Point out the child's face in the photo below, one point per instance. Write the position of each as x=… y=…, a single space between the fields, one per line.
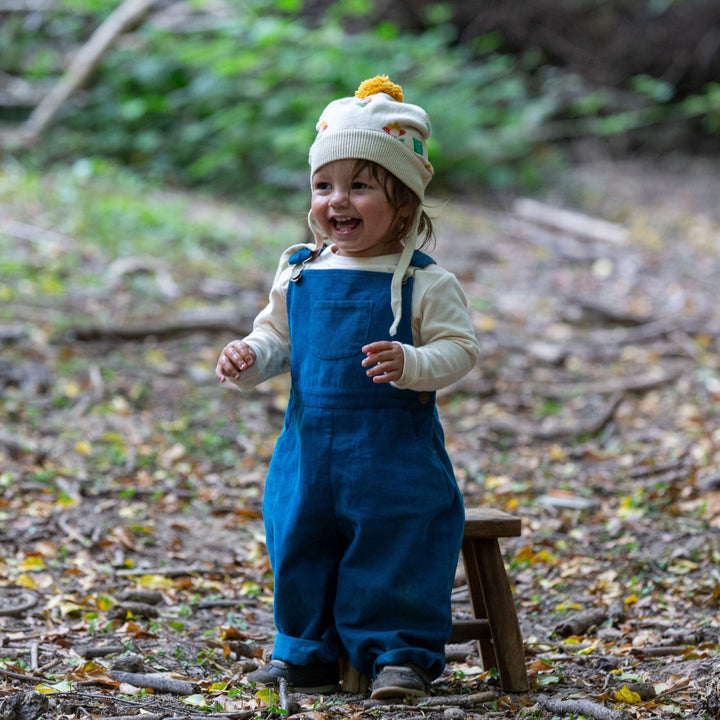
x=353 y=210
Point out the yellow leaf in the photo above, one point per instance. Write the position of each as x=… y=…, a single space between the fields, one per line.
x=197 y=701
x=32 y=564
x=70 y=388
x=83 y=447
x=627 y=696
x=568 y=606
x=557 y=453
x=493 y=482
x=486 y=323
x=103 y=602
x=218 y=687
x=631 y=599
x=155 y=582
x=589 y=649
x=250 y=588
x=70 y=608
x=267 y=696
x=47 y=688
x=525 y=555
x=26 y=581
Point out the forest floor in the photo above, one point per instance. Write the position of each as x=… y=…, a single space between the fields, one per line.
x=131 y=482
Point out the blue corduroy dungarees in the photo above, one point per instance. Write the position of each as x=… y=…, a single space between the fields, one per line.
x=364 y=519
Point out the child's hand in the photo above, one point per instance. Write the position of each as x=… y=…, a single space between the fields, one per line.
x=235 y=358
x=385 y=361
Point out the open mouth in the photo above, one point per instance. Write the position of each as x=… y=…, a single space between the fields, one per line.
x=344 y=225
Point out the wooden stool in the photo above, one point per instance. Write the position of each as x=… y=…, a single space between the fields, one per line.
x=496 y=626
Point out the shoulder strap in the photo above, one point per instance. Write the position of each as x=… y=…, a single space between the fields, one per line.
x=300 y=259
x=420 y=259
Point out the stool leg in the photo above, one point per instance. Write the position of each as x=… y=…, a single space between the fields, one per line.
x=489 y=568
x=353 y=681
x=477 y=602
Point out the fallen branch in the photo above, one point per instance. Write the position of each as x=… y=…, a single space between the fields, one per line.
x=653 y=330
x=17 y=446
x=143 y=716
x=591 y=308
x=582 y=428
x=660 y=650
x=98 y=652
x=580 y=707
x=459 y=701
x=16 y=601
x=572 y=222
x=167 y=571
x=127 y=15
x=579 y=623
x=632 y=383
x=214 y=324
x=155 y=682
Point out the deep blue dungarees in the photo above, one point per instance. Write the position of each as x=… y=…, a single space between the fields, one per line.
x=363 y=516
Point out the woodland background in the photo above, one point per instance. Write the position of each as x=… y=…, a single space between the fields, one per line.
x=155 y=165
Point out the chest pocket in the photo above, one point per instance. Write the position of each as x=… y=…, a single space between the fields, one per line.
x=339 y=328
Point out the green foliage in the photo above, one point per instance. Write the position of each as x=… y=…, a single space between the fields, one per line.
x=230 y=103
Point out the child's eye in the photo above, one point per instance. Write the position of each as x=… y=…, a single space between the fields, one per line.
x=320 y=185
x=358 y=185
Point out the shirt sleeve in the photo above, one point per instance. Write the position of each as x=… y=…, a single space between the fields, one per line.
x=270 y=336
x=446 y=347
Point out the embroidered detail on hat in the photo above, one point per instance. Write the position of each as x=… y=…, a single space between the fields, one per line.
x=394 y=129
x=418 y=146
x=321 y=126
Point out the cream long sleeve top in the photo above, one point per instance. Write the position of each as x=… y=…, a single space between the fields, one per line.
x=445 y=345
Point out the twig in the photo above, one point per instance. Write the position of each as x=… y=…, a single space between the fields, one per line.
x=74 y=534
x=31 y=678
x=283 y=692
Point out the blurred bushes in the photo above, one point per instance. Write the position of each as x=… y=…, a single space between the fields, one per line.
x=227 y=96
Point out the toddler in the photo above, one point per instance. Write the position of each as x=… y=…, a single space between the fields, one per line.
x=363 y=517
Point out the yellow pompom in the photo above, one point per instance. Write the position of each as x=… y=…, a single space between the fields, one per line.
x=380 y=84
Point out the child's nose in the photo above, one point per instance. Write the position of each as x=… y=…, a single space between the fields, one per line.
x=339 y=197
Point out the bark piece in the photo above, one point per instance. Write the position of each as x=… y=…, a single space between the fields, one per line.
x=580 y=707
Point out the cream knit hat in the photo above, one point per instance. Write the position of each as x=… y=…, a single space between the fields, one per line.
x=377 y=125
